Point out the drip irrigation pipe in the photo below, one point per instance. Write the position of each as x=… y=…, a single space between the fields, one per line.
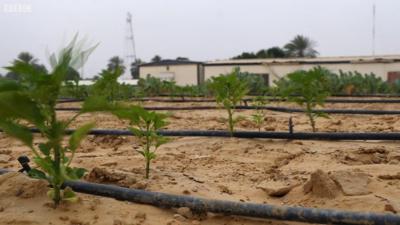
x=271 y=108
x=202 y=205
x=251 y=134
x=275 y=100
x=389 y=101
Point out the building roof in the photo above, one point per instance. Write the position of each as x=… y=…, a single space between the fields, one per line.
x=317 y=60
x=166 y=62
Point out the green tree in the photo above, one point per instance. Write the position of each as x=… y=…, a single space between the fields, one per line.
x=229 y=91
x=156 y=58
x=308 y=89
x=27 y=58
x=301 y=46
x=276 y=52
x=114 y=63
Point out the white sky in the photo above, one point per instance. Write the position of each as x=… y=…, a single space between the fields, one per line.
x=198 y=29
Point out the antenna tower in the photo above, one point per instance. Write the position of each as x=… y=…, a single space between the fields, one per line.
x=130 y=51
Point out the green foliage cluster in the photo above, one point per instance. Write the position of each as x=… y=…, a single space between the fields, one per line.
x=228 y=91
x=307 y=88
x=32 y=102
x=107 y=85
x=350 y=83
x=259 y=115
x=152 y=86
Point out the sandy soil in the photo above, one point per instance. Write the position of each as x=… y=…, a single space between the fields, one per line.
x=354 y=175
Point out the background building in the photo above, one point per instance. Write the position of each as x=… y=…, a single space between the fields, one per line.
x=183 y=72
x=188 y=72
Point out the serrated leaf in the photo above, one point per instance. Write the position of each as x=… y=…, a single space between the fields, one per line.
x=16 y=105
x=17 y=131
x=44 y=148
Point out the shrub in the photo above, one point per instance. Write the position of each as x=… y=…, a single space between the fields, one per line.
x=228 y=91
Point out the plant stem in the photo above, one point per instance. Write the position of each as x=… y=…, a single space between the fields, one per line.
x=230 y=120
x=310 y=116
x=147 y=167
x=57 y=176
x=147 y=150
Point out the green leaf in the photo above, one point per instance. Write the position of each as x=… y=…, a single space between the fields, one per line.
x=18 y=131
x=69 y=195
x=45 y=149
x=46 y=164
x=9 y=85
x=19 y=106
x=37 y=174
x=140 y=152
x=73 y=173
x=79 y=135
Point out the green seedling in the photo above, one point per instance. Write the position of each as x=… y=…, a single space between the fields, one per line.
x=259 y=115
x=107 y=85
x=308 y=89
x=32 y=103
x=229 y=91
x=145 y=124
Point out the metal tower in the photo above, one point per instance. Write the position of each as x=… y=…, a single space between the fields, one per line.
x=373 y=27
x=130 y=51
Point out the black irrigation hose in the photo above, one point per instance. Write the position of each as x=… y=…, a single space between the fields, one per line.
x=389 y=101
x=201 y=205
x=252 y=134
x=274 y=100
x=272 y=108
x=67 y=100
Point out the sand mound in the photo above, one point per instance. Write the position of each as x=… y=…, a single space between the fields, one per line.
x=321 y=185
x=20 y=185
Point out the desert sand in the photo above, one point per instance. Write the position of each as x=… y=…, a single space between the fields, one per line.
x=349 y=175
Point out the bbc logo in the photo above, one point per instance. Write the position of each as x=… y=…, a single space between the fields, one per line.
x=17 y=8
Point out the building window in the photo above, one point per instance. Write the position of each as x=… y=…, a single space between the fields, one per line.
x=393 y=77
x=265 y=77
x=167 y=68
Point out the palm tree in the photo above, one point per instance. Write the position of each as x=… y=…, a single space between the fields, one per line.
x=27 y=58
x=115 y=62
x=301 y=46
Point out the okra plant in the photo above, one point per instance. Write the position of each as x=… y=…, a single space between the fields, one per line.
x=32 y=103
x=145 y=124
x=259 y=115
x=309 y=89
x=228 y=91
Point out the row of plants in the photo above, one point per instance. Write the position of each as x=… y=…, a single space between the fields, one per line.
x=32 y=100
x=341 y=83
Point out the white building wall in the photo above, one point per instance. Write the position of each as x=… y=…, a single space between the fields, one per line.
x=181 y=74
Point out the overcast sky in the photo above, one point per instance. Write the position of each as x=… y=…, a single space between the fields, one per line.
x=198 y=29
